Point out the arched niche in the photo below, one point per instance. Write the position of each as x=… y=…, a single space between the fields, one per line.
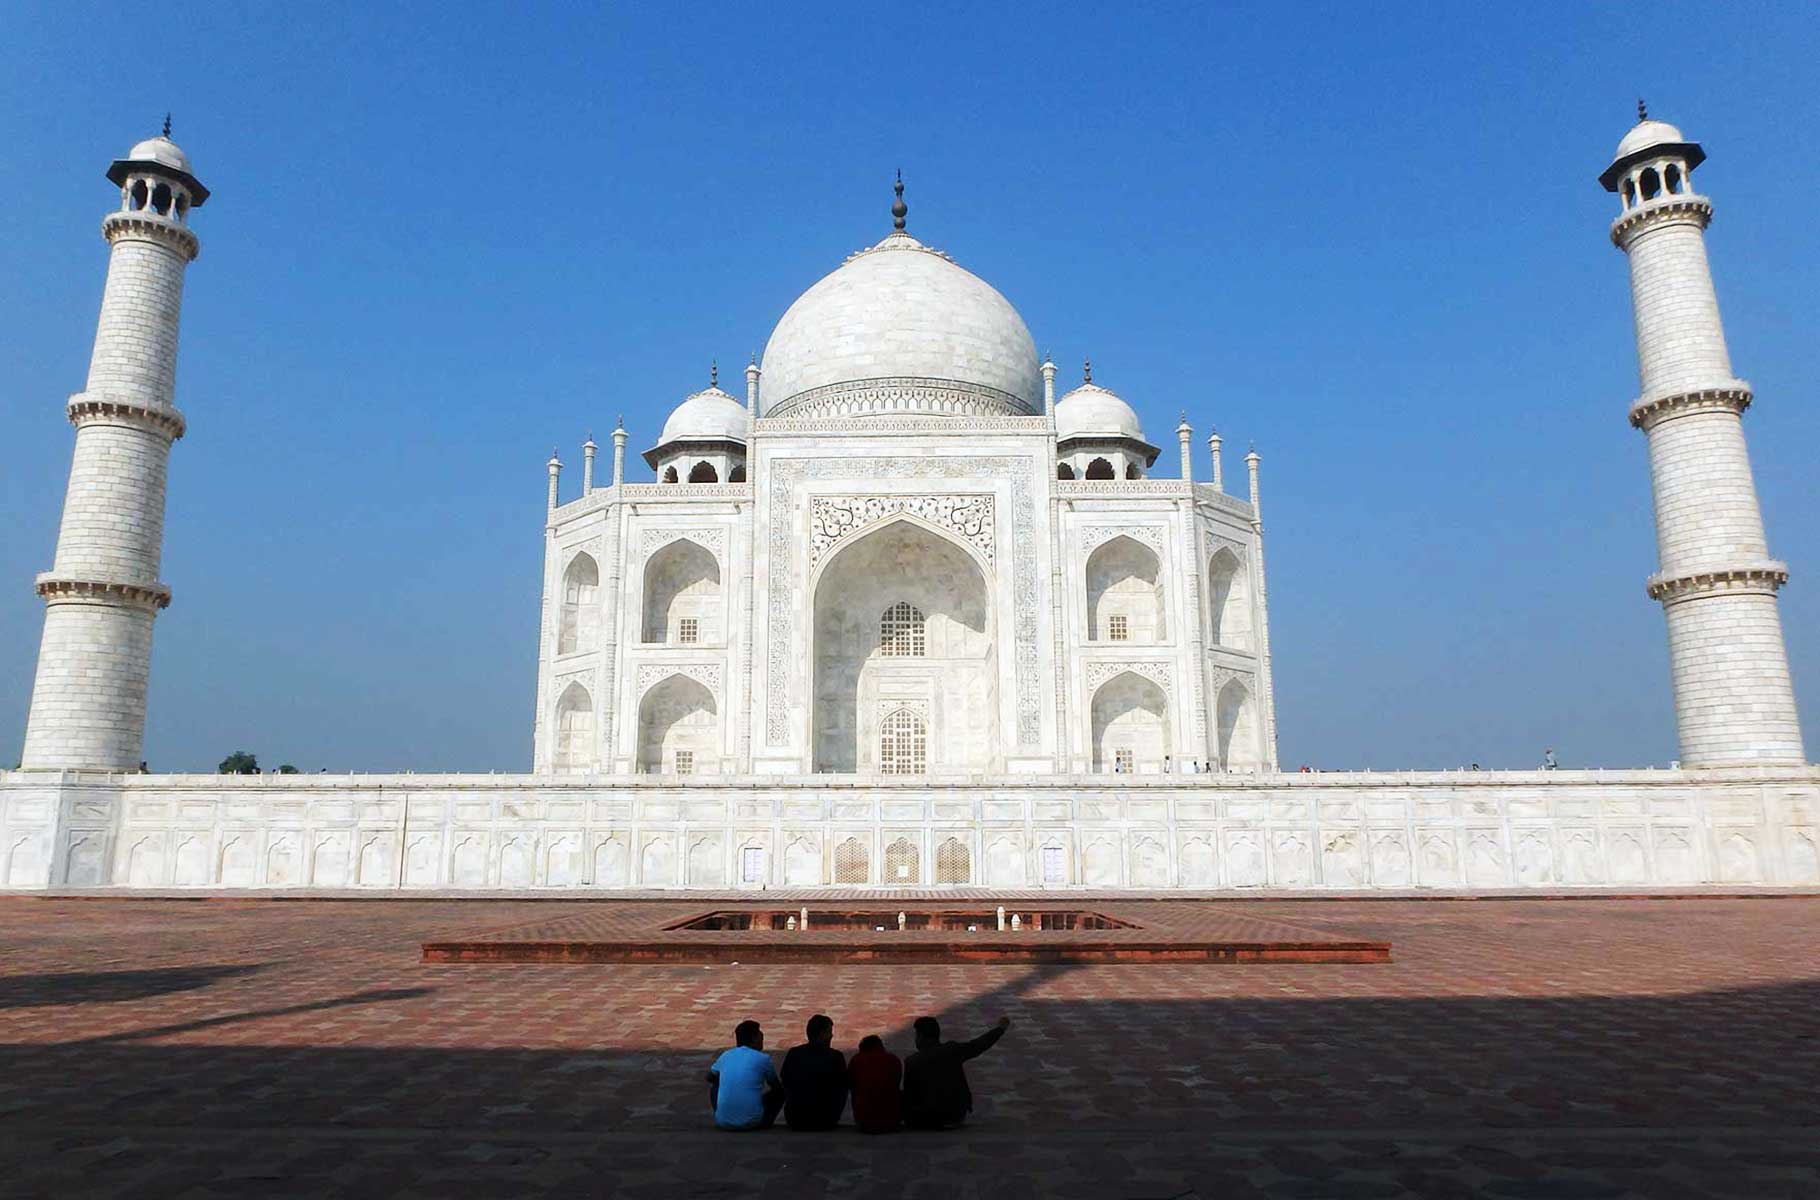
x=574 y=747
x=579 y=624
x=1101 y=468
x=903 y=865
x=903 y=624
x=1229 y=600
x=1125 y=593
x=953 y=862
x=678 y=716
x=852 y=864
x=682 y=584
x=1241 y=748
x=703 y=472
x=1130 y=715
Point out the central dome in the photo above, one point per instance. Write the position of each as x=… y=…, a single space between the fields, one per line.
x=900 y=328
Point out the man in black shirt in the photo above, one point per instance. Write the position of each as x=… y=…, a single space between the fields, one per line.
x=815 y=1079
x=936 y=1095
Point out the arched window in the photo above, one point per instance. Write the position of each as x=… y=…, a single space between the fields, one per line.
x=678 y=728
x=1237 y=729
x=1671 y=176
x=1064 y=471
x=1125 y=580
x=669 y=474
x=901 y=632
x=161 y=199
x=903 y=744
x=574 y=742
x=1652 y=184
x=580 y=615
x=139 y=194
x=953 y=862
x=1099 y=468
x=851 y=862
x=703 y=472
x=1131 y=471
x=902 y=863
x=737 y=474
x=682 y=583
x=1630 y=194
x=1229 y=603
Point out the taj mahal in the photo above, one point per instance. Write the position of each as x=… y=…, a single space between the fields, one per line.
x=912 y=610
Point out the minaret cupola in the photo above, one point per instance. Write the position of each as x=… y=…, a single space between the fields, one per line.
x=155 y=177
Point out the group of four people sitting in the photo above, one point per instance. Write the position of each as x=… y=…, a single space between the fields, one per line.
x=928 y=1090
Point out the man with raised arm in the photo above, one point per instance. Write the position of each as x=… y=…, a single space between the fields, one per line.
x=936 y=1095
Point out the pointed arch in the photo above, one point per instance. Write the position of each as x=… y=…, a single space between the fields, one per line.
x=1125 y=593
x=670 y=474
x=578 y=626
x=1100 y=468
x=1240 y=746
x=1228 y=600
x=737 y=474
x=871 y=596
x=1064 y=471
x=852 y=864
x=953 y=862
x=903 y=865
x=1132 y=472
x=678 y=728
x=903 y=743
x=574 y=746
x=703 y=472
x=682 y=582
x=1130 y=725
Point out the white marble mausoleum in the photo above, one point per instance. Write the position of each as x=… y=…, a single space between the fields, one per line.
x=908 y=613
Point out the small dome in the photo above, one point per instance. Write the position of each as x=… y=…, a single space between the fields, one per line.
x=1645 y=134
x=161 y=150
x=901 y=311
x=1092 y=411
x=708 y=414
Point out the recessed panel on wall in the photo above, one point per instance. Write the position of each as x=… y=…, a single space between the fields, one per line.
x=1437 y=858
x=1147 y=810
x=423 y=859
x=470 y=854
x=1533 y=855
x=517 y=859
x=331 y=851
x=1676 y=855
x=1389 y=858
x=284 y=858
x=804 y=809
x=85 y=858
x=1291 y=859
x=376 y=858
x=565 y=858
x=143 y=858
x=1342 y=859
x=1581 y=863
x=240 y=857
x=27 y=859
x=705 y=811
x=1247 y=861
x=1485 y=861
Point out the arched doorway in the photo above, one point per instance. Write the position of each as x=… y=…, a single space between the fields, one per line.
x=904 y=668
x=678 y=729
x=574 y=748
x=1130 y=725
x=1124 y=593
x=1240 y=747
x=682 y=595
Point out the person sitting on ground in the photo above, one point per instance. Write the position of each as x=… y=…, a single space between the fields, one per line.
x=936 y=1095
x=743 y=1088
x=815 y=1079
x=874 y=1075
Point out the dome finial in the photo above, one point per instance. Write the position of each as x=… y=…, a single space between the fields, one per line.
x=1642 y=111
x=899 y=210
x=714 y=372
x=167 y=124
x=1087 y=370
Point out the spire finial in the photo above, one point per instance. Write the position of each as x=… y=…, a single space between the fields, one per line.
x=167 y=124
x=619 y=423
x=899 y=210
x=714 y=372
x=1642 y=111
x=1087 y=370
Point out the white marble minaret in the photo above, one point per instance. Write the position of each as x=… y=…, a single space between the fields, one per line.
x=1734 y=702
x=100 y=595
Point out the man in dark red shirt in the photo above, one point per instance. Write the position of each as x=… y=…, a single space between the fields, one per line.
x=936 y=1095
x=874 y=1074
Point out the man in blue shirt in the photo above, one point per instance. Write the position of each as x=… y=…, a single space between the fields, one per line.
x=743 y=1088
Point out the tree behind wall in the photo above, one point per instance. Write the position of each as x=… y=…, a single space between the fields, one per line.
x=239 y=763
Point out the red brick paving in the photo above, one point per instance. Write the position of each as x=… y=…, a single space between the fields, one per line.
x=1514 y=1049
x=1170 y=931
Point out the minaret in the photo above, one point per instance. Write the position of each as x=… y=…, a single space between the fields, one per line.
x=102 y=591
x=1734 y=702
x=587 y=465
x=1185 y=434
x=555 y=469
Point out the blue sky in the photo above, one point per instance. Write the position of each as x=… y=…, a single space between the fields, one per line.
x=1368 y=238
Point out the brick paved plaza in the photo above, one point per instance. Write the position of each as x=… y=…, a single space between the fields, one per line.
x=1513 y=1048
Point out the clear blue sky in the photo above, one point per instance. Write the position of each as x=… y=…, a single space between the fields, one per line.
x=1368 y=238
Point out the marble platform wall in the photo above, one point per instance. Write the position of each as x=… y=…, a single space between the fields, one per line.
x=1330 y=830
